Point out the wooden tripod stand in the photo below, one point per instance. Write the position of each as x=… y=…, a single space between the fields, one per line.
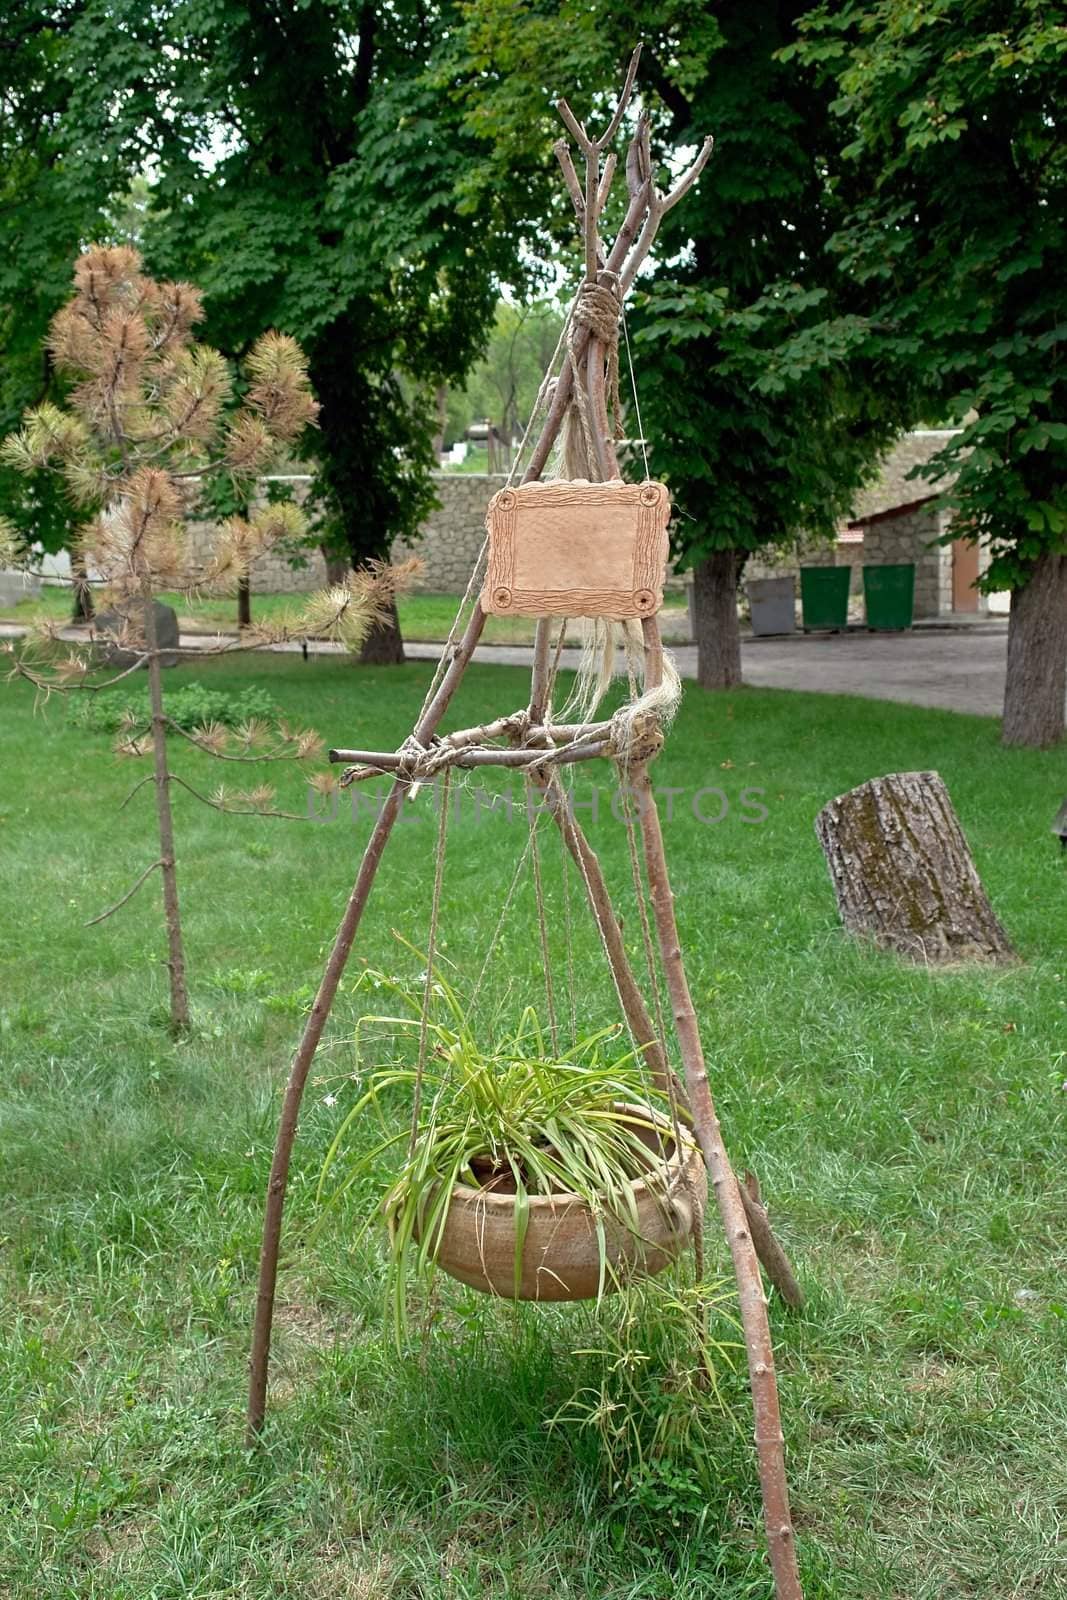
x=536 y=745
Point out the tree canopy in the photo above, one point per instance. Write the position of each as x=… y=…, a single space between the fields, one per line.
x=752 y=320
x=364 y=180
x=949 y=118
x=877 y=239
x=309 y=163
x=951 y=146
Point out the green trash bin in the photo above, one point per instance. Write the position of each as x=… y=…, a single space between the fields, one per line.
x=824 y=597
x=889 y=595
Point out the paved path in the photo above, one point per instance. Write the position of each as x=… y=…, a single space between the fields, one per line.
x=959 y=669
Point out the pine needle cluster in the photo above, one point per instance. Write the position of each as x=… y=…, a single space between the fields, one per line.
x=151 y=409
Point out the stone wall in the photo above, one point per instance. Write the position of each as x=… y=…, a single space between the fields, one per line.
x=451 y=538
x=448 y=547
x=273 y=573
x=909 y=536
x=892 y=486
x=452 y=535
x=912 y=536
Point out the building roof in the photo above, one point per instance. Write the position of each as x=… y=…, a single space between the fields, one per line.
x=902 y=510
x=893 y=490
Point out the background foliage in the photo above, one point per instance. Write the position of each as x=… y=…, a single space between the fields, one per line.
x=309 y=170
x=874 y=240
x=951 y=145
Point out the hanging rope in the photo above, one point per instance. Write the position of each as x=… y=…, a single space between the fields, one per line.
x=633 y=391
x=530 y=850
x=431 y=952
x=568 y=930
x=498 y=930
x=554 y=670
x=641 y=895
x=636 y=734
x=542 y=923
x=636 y=730
x=576 y=855
x=640 y=892
x=599 y=308
x=474 y=582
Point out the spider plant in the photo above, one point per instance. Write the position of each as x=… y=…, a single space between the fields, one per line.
x=514 y=1114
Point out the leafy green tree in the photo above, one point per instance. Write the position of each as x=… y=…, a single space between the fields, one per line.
x=310 y=174
x=758 y=373
x=951 y=141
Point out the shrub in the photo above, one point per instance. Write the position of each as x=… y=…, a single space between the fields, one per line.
x=194 y=705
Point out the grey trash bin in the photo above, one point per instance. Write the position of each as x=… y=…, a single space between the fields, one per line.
x=16 y=586
x=109 y=627
x=772 y=603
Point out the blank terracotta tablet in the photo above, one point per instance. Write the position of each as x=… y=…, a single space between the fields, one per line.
x=576 y=549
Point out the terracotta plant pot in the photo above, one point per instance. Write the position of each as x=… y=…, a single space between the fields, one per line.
x=561 y=1251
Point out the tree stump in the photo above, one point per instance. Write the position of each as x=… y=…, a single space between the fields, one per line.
x=903 y=873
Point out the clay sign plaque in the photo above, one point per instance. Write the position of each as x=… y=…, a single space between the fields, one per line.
x=575 y=549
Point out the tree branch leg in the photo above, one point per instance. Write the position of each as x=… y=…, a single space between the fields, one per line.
x=773 y=1258
x=630 y=997
x=298 y=1073
x=770 y=1444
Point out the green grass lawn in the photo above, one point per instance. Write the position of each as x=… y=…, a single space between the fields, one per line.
x=908 y=1128
x=424 y=618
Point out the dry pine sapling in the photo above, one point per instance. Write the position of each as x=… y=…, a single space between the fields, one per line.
x=150 y=413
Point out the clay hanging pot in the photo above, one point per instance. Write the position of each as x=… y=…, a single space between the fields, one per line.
x=561 y=1255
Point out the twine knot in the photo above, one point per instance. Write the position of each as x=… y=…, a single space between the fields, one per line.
x=597 y=308
x=518 y=726
x=635 y=736
x=413 y=756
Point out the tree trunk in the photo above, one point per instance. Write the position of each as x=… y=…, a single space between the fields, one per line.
x=337 y=567
x=715 y=624
x=82 y=609
x=315 y=1021
x=441 y=407
x=903 y=874
x=179 y=996
x=384 y=644
x=244 y=603
x=1036 y=682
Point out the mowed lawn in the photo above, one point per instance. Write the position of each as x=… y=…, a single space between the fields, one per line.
x=907 y=1126
x=423 y=617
